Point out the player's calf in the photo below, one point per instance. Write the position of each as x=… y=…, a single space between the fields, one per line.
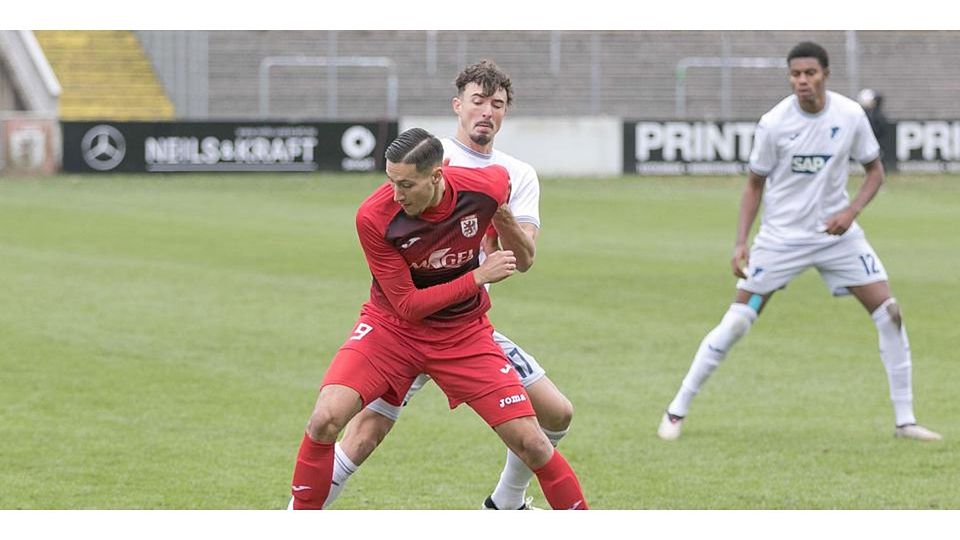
x=312 y=474
x=560 y=485
x=735 y=324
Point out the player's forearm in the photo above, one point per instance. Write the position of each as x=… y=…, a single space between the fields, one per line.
x=514 y=238
x=417 y=304
x=393 y=275
x=871 y=185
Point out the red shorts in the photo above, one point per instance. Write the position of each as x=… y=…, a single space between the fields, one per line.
x=382 y=358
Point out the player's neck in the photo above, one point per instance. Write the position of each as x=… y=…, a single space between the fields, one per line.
x=463 y=139
x=815 y=105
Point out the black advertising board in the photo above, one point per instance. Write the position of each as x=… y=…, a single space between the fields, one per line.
x=159 y=147
x=704 y=147
x=927 y=146
x=680 y=147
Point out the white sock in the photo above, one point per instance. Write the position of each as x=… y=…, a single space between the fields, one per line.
x=511 y=490
x=713 y=349
x=342 y=469
x=895 y=355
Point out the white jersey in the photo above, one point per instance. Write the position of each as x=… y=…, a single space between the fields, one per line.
x=805 y=159
x=524 y=185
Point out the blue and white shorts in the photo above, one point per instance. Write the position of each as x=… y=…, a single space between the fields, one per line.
x=850 y=262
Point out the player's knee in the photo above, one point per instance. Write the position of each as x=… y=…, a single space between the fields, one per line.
x=888 y=311
x=323 y=426
x=893 y=309
x=558 y=416
x=533 y=448
x=734 y=325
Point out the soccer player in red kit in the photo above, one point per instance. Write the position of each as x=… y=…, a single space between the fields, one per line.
x=421 y=233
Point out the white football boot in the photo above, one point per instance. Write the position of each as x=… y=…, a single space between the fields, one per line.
x=670 y=427
x=917 y=432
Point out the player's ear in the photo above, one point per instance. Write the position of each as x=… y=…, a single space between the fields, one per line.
x=456 y=103
x=826 y=72
x=437 y=175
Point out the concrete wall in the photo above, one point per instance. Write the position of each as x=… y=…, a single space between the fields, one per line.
x=574 y=146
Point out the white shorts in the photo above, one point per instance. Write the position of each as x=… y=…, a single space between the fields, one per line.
x=526 y=365
x=849 y=262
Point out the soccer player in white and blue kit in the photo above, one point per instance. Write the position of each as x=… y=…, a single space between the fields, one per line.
x=484 y=93
x=798 y=166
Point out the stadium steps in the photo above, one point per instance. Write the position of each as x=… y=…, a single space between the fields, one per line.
x=105 y=75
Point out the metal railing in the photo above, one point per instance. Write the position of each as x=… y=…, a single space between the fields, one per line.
x=724 y=63
x=380 y=62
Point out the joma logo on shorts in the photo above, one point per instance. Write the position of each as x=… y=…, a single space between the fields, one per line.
x=510 y=400
x=809 y=164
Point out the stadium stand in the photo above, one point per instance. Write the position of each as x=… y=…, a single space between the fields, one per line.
x=104 y=74
x=630 y=74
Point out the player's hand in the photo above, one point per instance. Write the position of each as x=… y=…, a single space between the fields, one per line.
x=840 y=222
x=489 y=244
x=740 y=260
x=497 y=267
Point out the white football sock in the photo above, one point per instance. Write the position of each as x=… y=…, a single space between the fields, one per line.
x=895 y=355
x=515 y=478
x=713 y=349
x=343 y=467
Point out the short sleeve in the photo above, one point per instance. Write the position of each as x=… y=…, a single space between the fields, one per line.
x=525 y=197
x=763 y=156
x=865 y=146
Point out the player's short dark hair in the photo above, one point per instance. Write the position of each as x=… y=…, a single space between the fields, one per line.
x=416 y=146
x=488 y=76
x=809 y=49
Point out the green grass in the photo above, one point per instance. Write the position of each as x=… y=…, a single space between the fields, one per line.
x=163 y=337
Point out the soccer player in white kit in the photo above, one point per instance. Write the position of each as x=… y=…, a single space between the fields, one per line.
x=484 y=93
x=798 y=166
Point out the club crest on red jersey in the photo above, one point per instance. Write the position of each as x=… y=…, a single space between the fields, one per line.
x=469 y=226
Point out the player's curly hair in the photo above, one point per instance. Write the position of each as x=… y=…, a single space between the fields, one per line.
x=809 y=49
x=488 y=76
x=416 y=146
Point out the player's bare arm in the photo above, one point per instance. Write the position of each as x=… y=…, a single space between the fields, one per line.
x=516 y=237
x=840 y=222
x=749 y=206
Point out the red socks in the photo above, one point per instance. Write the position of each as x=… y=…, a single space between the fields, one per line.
x=314 y=471
x=312 y=475
x=560 y=485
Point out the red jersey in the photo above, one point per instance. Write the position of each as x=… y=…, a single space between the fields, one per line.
x=423 y=266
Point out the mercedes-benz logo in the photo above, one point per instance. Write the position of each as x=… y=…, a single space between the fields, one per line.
x=103 y=147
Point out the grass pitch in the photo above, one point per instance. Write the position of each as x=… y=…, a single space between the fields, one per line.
x=163 y=338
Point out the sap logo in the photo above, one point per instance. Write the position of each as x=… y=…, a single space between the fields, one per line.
x=809 y=164
x=442 y=258
x=510 y=400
